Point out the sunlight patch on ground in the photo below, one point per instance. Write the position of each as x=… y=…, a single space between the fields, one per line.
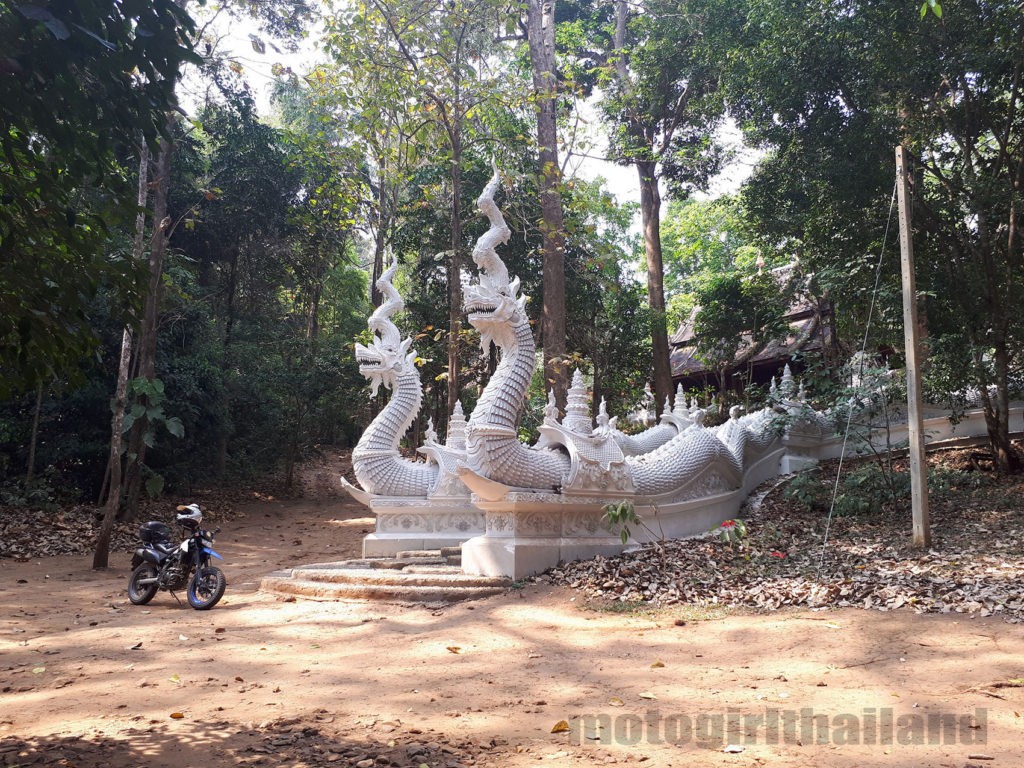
x=579 y=622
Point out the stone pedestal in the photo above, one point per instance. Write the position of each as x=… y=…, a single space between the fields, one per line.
x=409 y=524
x=527 y=533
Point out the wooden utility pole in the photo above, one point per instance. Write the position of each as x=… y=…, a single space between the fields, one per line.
x=918 y=464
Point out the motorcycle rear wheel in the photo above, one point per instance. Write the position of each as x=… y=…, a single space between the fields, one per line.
x=206 y=588
x=140 y=594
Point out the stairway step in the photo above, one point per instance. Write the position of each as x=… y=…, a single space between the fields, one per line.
x=433 y=577
x=451 y=552
x=320 y=590
x=414 y=554
x=384 y=563
x=454 y=560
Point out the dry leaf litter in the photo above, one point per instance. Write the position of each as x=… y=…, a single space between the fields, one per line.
x=975 y=564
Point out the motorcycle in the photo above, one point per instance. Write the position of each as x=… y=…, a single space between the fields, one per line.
x=160 y=564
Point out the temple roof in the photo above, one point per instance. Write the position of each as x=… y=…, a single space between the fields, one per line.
x=805 y=333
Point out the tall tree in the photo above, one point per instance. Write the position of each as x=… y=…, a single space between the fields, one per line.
x=431 y=57
x=662 y=108
x=540 y=18
x=78 y=82
x=830 y=91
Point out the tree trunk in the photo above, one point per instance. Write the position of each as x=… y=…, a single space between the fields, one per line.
x=541 y=38
x=650 y=212
x=381 y=222
x=113 y=504
x=223 y=437
x=455 y=278
x=34 y=439
x=997 y=416
x=150 y=319
x=114 y=466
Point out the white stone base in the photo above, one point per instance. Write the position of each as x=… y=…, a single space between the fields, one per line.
x=409 y=524
x=527 y=533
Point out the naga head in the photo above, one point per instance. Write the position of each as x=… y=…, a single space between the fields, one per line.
x=383 y=362
x=387 y=356
x=494 y=305
x=494 y=311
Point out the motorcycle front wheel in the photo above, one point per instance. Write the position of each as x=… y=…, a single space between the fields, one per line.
x=140 y=594
x=206 y=588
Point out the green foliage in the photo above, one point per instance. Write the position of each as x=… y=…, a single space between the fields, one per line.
x=42 y=492
x=829 y=94
x=80 y=84
x=148 y=403
x=868 y=491
x=666 y=108
x=807 y=490
x=621 y=516
x=933 y=6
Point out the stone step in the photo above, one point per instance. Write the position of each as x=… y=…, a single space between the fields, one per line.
x=451 y=552
x=389 y=563
x=415 y=554
x=390 y=593
x=413 y=576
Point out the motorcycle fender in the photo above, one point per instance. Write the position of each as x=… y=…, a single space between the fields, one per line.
x=208 y=551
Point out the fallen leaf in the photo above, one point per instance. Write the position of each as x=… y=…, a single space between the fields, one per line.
x=562 y=726
x=647 y=695
x=732 y=749
x=657 y=664
x=615 y=701
x=175 y=678
x=454 y=649
x=135 y=647
x=38 y=670
x=177 y=715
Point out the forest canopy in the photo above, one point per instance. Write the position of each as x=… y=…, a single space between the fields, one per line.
x=193 y=233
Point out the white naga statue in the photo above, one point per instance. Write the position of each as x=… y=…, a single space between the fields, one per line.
x=534 y=505
x=571 y=455
x=418 y=504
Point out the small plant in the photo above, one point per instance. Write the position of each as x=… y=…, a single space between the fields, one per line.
x=622 y=515
x=731 y=531
x=808 y=490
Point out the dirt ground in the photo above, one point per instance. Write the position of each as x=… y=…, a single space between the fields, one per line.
x=86 y=679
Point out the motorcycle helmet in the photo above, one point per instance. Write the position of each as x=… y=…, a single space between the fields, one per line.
x=189 y=516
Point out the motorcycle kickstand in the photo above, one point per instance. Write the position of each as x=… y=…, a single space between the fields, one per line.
x=175 y=596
